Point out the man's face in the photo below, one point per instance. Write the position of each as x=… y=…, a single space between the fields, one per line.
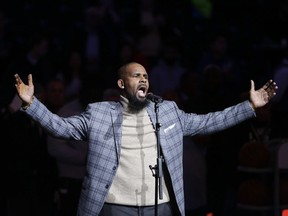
x=136 y=85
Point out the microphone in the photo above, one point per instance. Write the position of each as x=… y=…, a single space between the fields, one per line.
x=154 y=98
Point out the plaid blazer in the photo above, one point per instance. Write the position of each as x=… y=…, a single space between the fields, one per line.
x=100 y=124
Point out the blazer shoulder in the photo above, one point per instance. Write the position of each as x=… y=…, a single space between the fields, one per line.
x=169 y=104
x=104 y=105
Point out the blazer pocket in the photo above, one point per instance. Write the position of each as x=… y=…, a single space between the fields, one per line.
x=170 y=127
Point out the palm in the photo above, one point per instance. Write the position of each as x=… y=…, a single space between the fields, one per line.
x=24 y=91
x=262 y=96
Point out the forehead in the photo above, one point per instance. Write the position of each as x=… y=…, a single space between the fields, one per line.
x=135 y=68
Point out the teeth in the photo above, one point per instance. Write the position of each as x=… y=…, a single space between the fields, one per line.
x=141 y=93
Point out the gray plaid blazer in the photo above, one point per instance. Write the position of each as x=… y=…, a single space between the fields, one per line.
x=100 y=124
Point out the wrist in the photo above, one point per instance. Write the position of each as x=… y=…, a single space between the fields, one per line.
x=25 y=105
x=252 y=106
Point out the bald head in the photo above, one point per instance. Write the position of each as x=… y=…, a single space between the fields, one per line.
x=122 y=72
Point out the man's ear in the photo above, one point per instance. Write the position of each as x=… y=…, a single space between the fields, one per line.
x=120 y=83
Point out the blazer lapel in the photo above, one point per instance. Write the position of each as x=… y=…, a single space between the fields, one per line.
x=116 y=116
x=151 y=113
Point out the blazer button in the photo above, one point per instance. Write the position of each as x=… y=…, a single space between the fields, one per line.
x=114 y=168
x=107 y=186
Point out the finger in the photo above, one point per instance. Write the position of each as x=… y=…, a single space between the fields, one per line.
x=268 y=85
x=252 y=85
x=271 y=89
x=30 y=80
x=272 y=92
x=275 y=87
x=18 y=79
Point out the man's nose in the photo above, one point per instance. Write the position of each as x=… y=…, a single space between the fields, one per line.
x=143 y=79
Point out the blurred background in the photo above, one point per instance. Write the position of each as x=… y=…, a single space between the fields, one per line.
x=200 y=53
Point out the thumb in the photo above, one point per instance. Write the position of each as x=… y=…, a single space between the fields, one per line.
x=252 y=85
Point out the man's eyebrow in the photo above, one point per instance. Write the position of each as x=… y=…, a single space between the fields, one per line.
x=136 y=73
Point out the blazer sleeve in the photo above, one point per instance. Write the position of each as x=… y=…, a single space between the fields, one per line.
x=216 y=121
x=73 y=127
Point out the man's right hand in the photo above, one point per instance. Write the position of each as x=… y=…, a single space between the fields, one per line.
x=25 y=92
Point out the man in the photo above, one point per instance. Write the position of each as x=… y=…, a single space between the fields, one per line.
x=123 y=145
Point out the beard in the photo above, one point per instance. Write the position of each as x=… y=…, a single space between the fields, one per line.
x=135 y=105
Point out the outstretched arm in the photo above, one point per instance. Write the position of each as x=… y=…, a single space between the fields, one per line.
x=25 y=92
x=259 y=98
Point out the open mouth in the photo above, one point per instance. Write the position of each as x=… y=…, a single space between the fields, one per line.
x=142 y=91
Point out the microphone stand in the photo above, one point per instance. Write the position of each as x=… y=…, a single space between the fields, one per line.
x=158 y=174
